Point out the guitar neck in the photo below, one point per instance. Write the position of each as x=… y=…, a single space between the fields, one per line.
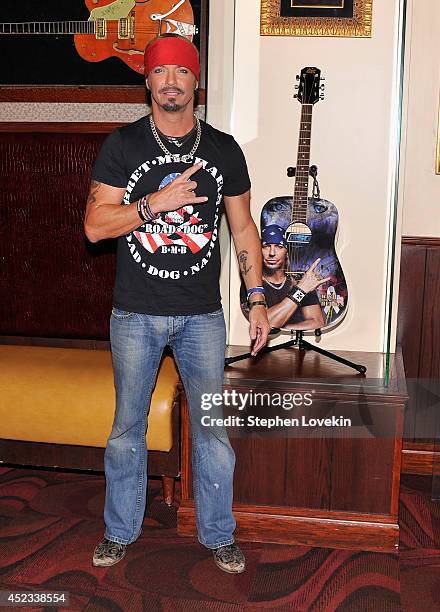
x=300 y=195
x=49 y=27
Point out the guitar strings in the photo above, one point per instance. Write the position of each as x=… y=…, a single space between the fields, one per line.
x=110 y=28
x=302 y=175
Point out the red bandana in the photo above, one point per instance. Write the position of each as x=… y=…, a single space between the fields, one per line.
x=172 y=51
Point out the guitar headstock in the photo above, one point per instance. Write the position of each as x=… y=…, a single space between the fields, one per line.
x=310 y=89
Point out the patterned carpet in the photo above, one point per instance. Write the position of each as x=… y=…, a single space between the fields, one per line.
x=50 y=523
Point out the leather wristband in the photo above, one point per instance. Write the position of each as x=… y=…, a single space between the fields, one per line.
x=257 y=303
x=140 y=211
x=296 y=295
x=144 y=210
x=153 y=216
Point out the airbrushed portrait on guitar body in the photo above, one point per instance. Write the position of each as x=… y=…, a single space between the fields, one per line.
x=303 y=280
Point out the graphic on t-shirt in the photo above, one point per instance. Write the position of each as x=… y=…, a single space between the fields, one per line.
x=183 y=282
x=176 y=237
x=176 y=231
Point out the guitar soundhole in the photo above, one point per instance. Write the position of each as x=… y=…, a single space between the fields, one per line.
x=298 y=234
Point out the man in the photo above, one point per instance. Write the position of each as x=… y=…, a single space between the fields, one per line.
x=287 y=307
x=172 y=174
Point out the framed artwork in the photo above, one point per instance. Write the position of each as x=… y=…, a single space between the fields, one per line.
x=351 y=18
x=88 y=50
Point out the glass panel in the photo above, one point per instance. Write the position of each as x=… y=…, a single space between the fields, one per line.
x=391 y=296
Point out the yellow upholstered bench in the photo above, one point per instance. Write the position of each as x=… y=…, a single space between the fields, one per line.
x=59 y=404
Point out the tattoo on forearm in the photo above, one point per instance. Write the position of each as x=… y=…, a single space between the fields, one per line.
x=242 y=261
x=94 y=188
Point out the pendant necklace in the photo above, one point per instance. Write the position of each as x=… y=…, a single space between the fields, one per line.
x=177 y=141
x=184 y=158
x=275 y=285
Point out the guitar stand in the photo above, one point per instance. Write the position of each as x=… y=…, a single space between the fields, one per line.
x=302 y=345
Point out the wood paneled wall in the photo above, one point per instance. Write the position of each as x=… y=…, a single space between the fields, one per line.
x=419 y=334
x=53 y=282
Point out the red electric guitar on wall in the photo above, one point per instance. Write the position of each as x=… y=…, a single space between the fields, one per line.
x=117 y=28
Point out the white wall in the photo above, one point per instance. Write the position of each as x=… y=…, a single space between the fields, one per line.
x=219 y=106
x=421 y=188
x=353 y=140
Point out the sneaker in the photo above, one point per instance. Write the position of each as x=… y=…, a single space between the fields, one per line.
x=230 y=559
x=108 y=553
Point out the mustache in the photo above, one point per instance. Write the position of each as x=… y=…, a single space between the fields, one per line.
x=171 y=89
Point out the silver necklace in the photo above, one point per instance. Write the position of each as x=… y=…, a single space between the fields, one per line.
x=177 y=141
x=183 y=158
x=275 y=286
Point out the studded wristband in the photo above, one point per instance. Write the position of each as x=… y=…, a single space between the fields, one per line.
x=296 y=295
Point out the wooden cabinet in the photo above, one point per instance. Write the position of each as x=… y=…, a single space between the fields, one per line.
x=331 y=486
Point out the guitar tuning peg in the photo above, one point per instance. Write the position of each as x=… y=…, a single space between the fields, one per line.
x=297 y=77
x=296 y=86
x=295 y=96
x=321 y=97
x=322 y=87
x=322 y=78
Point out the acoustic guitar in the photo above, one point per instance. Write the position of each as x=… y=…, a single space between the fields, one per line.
x=117 y=28
x=309 y=223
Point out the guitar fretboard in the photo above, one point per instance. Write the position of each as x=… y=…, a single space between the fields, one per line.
x=49 y=27
x=300 y=196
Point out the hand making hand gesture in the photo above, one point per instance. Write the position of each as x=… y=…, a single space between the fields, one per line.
x=178 y=193
x=312 y=279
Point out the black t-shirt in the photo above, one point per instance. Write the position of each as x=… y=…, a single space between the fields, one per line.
x=276 y=295
x=171 y=266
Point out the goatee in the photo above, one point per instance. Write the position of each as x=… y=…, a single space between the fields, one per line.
x=269 y=271
x=172 y=107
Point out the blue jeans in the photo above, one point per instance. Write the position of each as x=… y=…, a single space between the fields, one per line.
x=198 y=343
